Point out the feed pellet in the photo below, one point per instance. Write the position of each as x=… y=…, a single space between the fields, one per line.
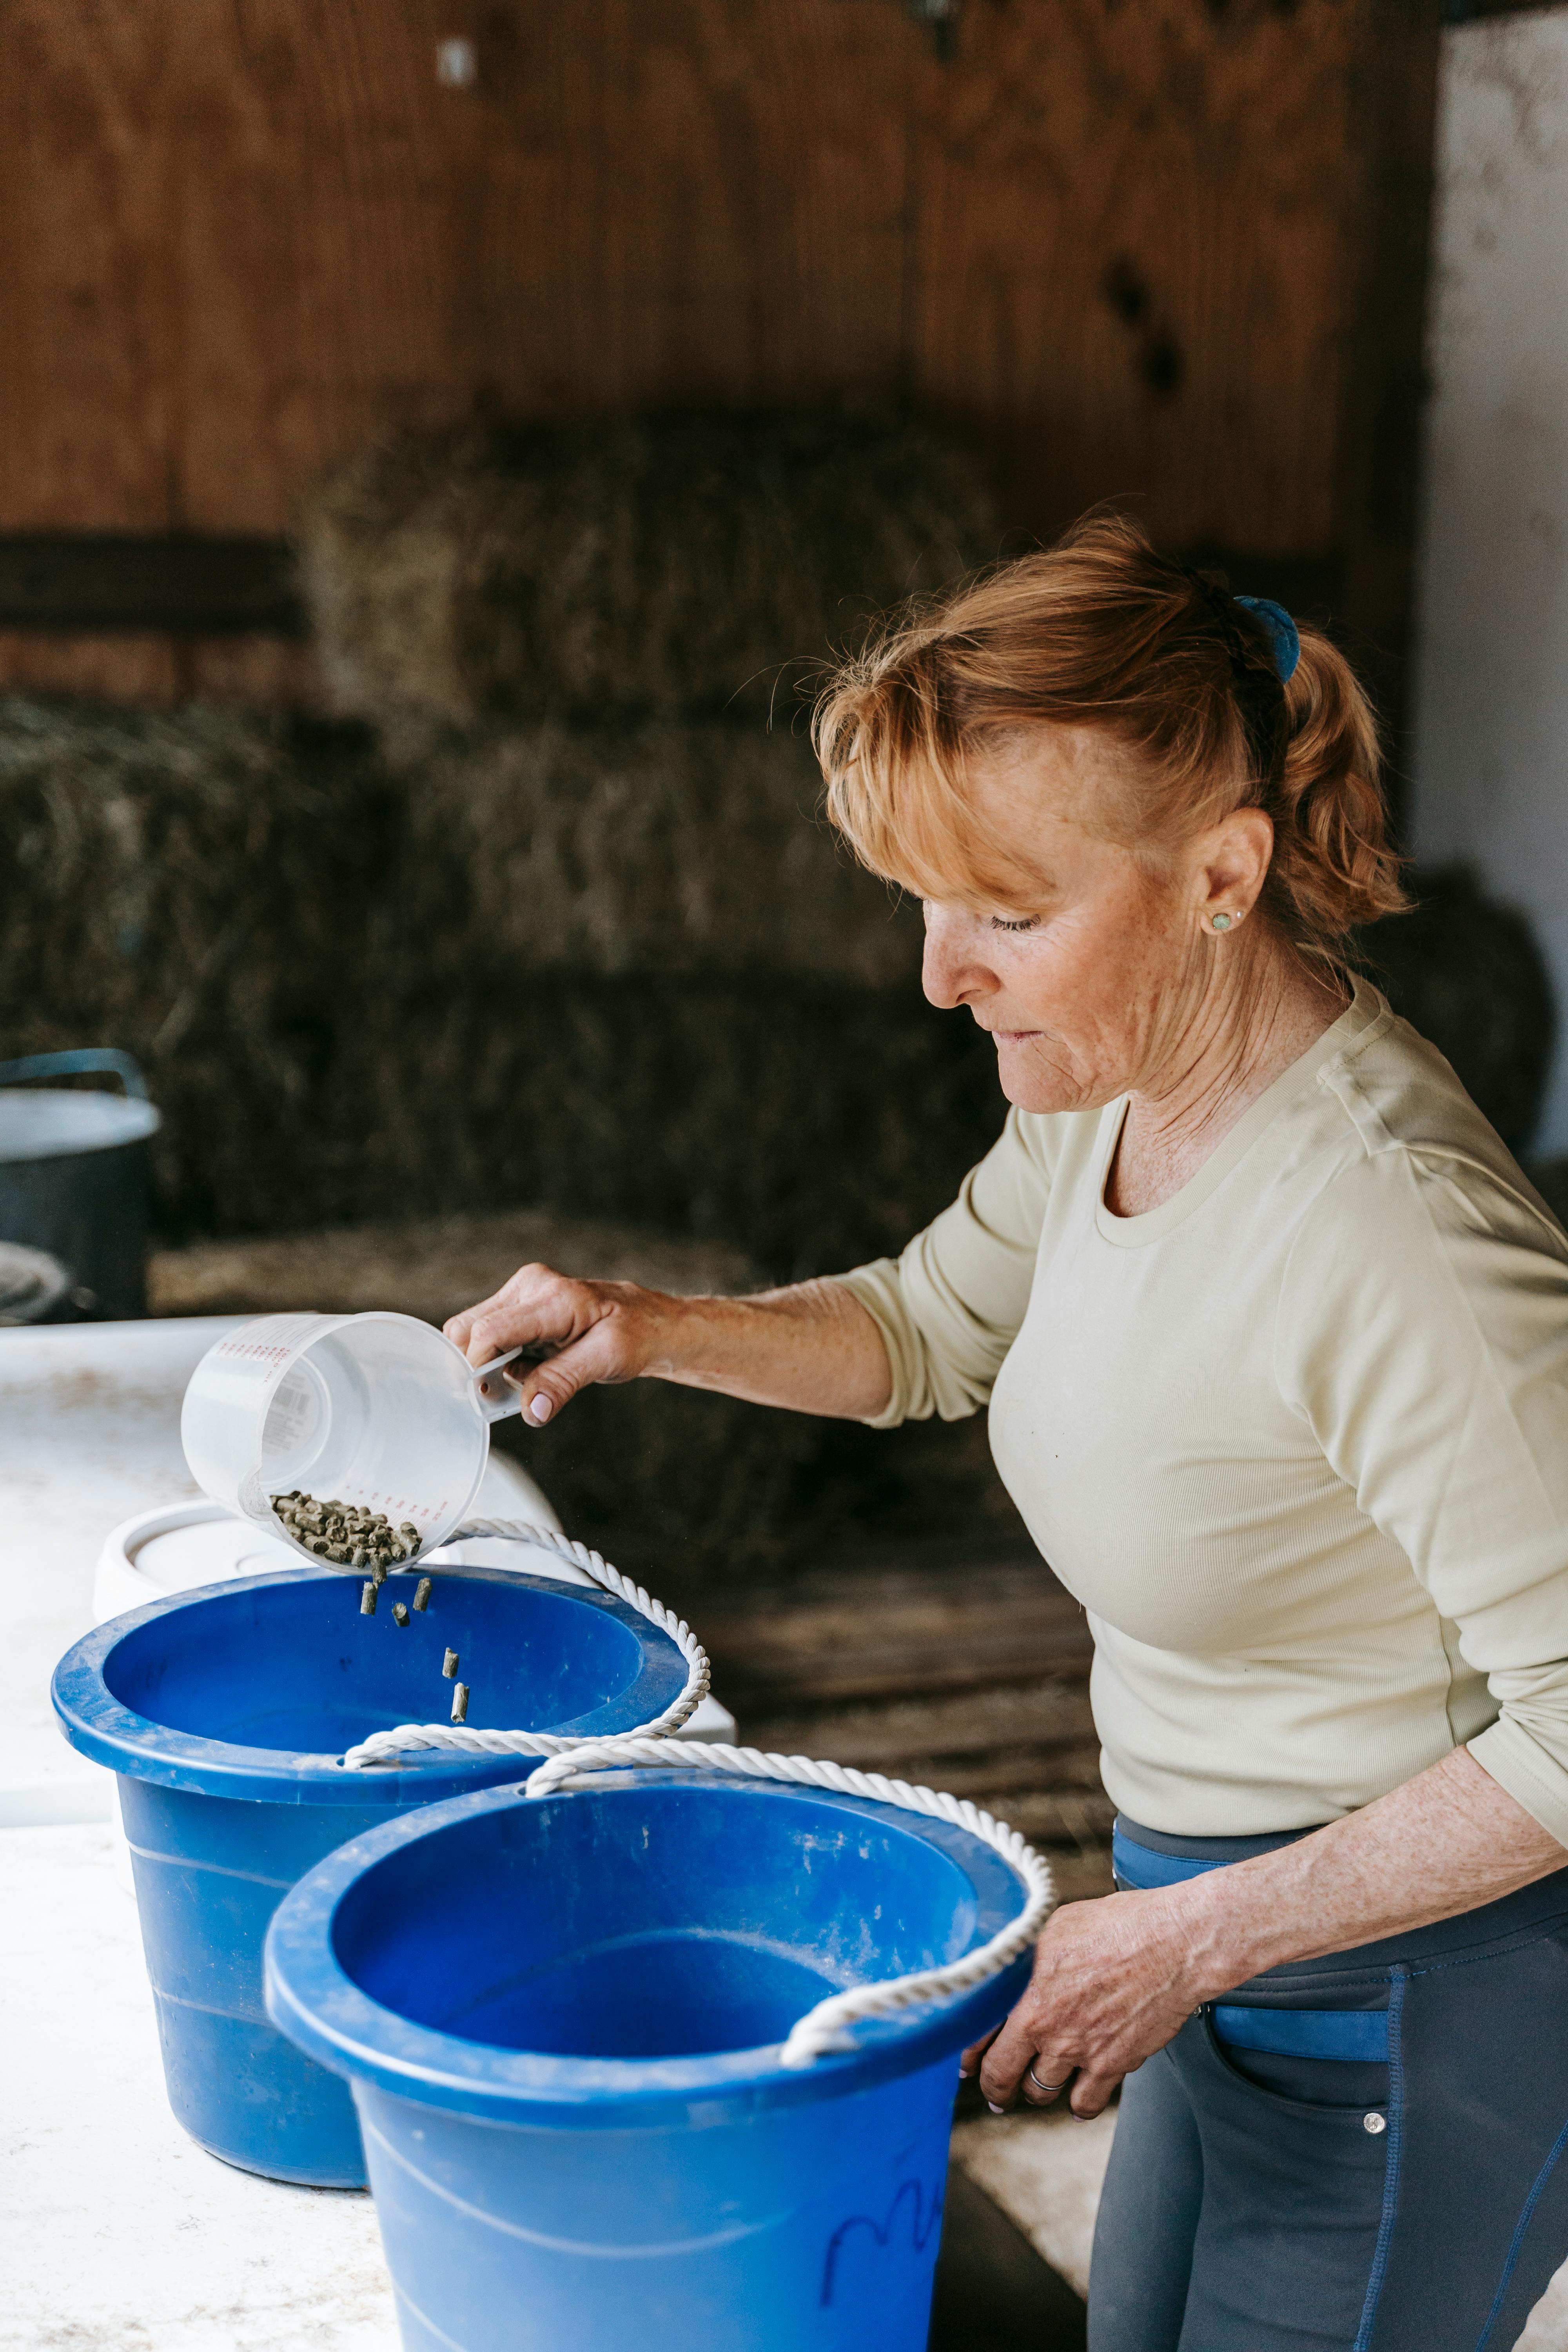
x=351 y=1538
x=344 y=1534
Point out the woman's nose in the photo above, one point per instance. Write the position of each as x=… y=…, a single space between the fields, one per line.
x=951 y=972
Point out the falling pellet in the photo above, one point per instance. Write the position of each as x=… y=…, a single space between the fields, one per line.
x=400 y=1612
x=367 y=1599
x=422 y=1598
x=449 y=1664
x=460 y=1703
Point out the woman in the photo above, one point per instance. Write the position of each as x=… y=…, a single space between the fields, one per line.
x=1274 y=1338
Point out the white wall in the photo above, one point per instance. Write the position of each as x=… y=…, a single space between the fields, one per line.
x=1490 y=755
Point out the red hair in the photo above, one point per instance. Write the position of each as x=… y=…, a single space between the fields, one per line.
x=1102 y=631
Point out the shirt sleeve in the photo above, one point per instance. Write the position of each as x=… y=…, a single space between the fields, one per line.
x=948 y=1308
x=1422 y=1333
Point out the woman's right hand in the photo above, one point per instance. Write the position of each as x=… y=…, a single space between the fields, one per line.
x=591 y=1331
x=812 y=1347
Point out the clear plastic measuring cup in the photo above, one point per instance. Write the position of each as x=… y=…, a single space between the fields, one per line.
x=375 y=1410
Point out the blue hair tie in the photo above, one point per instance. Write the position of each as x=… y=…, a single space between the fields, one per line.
x=1282 y=634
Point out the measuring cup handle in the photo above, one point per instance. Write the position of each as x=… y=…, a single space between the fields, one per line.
x=496 y=1396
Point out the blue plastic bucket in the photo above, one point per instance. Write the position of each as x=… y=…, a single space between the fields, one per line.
x=224 y=1712
x=562 y=2020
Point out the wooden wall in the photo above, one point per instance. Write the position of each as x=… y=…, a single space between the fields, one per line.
x=1165 y=250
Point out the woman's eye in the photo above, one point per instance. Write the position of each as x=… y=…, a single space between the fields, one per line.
x=1023 y=923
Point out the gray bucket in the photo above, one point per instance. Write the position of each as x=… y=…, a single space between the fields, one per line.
x=73 y=1176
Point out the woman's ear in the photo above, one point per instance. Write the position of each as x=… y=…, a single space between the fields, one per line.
x=1230 y=867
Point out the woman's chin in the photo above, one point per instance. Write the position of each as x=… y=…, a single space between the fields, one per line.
x=1031 y=1083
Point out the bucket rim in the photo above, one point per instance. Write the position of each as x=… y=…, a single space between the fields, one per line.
x=310 y=1997
x=102 y=1728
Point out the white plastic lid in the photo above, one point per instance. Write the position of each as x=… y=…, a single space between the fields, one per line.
x=209 y=1552
x=40 y=1123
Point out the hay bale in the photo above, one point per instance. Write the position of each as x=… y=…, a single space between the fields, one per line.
x=672 y=562
x=345 y=1017
x=431 y=1268
x=198 y=888
x=665 y=846
x=1467 y=973
x=812 y=1124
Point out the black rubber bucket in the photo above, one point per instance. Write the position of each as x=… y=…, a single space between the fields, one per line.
x=73 y=1175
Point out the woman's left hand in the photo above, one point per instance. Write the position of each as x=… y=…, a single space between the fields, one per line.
x=1113 y=1981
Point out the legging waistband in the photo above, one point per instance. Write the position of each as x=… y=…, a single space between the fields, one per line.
x=1209 y=1849
x=1145 y=1858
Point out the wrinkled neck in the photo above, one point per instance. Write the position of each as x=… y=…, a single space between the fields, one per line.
x=1257 y=1014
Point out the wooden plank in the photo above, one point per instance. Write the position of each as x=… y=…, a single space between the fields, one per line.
x=118 y=668
x=1118 y=240
x=864 y=1644
x=179 y=582
x=1029 y=1753
x=89 y=357
x=254 y=669
x=1001 y=1783
x=1165 y=251
x=997 y=1780
x=157 y=669
x=1134 y=239
x=1393 y=113
x=1047 y=1715
x=1464 y=12
x=724 y=190
x=240 y=243
x=1074 y=1817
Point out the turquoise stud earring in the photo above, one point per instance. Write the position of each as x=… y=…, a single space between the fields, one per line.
x=1221 y=922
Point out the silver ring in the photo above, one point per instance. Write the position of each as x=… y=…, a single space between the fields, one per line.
x=1051 y=2089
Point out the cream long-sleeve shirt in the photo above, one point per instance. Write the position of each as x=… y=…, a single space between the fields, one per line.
x=1296 y=1438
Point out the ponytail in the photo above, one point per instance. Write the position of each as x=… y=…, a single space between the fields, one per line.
x=1334 y=868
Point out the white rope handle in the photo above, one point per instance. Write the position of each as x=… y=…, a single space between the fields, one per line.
x=383 y=1746
x=826 y=2027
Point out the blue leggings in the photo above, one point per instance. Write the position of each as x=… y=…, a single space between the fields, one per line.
x=1260 y=2202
